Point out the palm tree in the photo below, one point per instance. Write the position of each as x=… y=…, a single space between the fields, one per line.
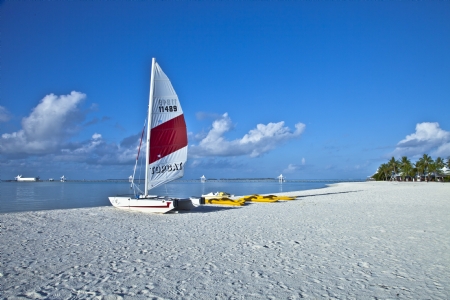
x=424 y=163
x=420 y=167
x=375 y=175
x=448 y=163
x=406 y=167
x=432 y=169
x=438 y=164
x=386 y=171
x=393 y=165
x=412 y=173
x=382 y=172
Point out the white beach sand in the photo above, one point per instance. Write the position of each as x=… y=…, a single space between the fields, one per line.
x=348 y=241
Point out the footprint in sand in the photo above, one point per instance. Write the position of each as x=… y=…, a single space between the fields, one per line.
x=364 y=265
x=256 y=247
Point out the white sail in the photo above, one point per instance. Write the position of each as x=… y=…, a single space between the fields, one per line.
x=167 y=142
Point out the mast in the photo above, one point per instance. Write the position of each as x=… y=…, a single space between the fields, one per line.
x=149 y=127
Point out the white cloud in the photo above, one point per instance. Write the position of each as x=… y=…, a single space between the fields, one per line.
x=443 y=150
x=429 y=137
x=5 y=116
x=51 y=122
x=291 y=168
x=256 y=142
x=46 y=132
x=426 y=134
x=89 y=147
x=48 y=137
x=97 y=151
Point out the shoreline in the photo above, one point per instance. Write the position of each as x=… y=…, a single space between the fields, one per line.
x=16 y=197
x=347 y=240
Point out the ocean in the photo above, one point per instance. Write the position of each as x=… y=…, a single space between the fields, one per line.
x=45 y=195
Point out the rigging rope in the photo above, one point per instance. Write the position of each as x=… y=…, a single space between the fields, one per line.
x=137 y=158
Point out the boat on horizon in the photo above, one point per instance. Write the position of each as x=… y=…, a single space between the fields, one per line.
x=19 y=178
x=166 y=150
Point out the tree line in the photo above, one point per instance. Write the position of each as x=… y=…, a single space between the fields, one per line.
x=404 y=169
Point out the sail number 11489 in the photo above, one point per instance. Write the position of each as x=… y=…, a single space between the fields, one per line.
x=167 y=108
x=167 y=105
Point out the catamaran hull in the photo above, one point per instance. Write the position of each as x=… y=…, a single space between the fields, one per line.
x=158 y=206
x=191 y=203
x=155 y=205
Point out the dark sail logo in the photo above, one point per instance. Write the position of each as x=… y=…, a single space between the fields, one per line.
x=167 y=168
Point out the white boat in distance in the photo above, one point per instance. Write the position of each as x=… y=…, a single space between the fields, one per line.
x=166 y=152
x=24 y=179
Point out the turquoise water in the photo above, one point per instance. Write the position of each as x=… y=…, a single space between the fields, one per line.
x=33 y=196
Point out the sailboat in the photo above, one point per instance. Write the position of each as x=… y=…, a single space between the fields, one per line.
x=166 y=151
x=24 y=179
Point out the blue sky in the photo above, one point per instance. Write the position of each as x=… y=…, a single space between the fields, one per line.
x=310 y=89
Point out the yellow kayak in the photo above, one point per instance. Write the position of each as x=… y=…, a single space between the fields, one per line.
x=285 y=198
x=225 y=201
x=222 y=198
x=257 y=198
x=267 y=198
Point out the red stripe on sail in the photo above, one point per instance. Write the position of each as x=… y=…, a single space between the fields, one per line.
x=167 y=138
